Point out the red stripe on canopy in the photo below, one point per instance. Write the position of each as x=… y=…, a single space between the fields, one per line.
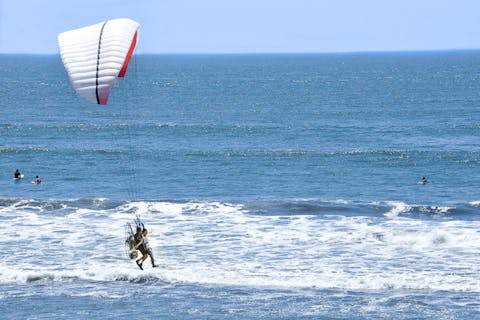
x=122 y=72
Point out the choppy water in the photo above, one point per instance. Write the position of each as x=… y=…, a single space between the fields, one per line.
x=274 y=186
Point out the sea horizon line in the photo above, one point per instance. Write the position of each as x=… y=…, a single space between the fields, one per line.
x=292 y=53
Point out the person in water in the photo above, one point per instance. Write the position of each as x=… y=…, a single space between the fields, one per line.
x=37 y=180
x=17 y=174
x=424 y=180
x=145 y=249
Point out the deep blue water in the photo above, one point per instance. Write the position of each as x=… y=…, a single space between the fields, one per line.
x=275 y=186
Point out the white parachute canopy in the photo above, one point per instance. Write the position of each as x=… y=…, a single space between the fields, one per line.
x=94 y=56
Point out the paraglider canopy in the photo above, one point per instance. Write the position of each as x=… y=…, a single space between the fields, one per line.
x=94 y=56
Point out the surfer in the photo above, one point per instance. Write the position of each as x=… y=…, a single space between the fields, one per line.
x=145 y=249
x=424 y=180
x=37 y=180
x=17 y=174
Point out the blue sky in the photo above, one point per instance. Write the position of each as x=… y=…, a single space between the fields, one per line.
x=251 y=26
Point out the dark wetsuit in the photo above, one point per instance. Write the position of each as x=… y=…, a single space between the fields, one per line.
x=139 y=238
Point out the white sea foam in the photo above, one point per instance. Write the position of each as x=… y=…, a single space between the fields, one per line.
x=221 y=243
x=398 y=207
x=475 y=203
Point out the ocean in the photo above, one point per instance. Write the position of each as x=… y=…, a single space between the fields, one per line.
x=282 y=186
